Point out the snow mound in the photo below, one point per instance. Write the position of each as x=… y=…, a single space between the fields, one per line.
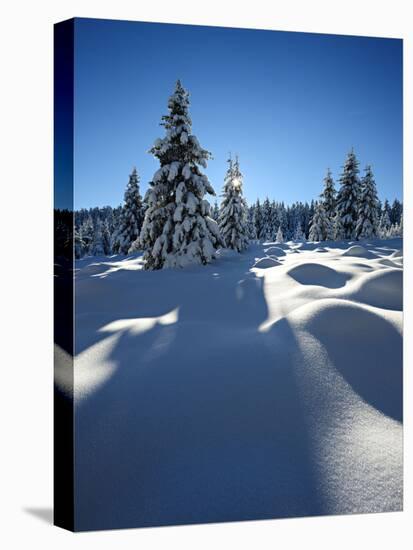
x=320 y=249
x=358 y=251
x=316 y=274
x=265 y=263
x=389 y=263
x=306 y=246
x=397 y=254
x=274 y=251
x=283 y=246
x=346 y=330
x=382 y=288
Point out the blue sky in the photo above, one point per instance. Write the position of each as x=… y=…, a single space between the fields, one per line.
x=290 y=104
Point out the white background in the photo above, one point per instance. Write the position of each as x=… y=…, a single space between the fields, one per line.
x=26 y=272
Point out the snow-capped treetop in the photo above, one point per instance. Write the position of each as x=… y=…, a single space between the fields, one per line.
x=348 y=195
x=177 y=229
x=328 y=196
x=131 y=216
x=384 y=225
x=233 y=212
x=279 y=237
x=320 y=228
x=178 y=142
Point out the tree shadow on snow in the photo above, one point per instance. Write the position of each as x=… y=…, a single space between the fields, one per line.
x=200 y=420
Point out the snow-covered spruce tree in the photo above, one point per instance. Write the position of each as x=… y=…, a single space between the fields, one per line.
x=396 y=211
x=274 y=222
x=282 y=219
x=97 y=245
x=258 y=220
x=233 y=211
x=328 y=196
x=387 y=208
x=308 y=212
x=298 y=234
x=320 y=228
x=106 y=238
x=79 y=245
x=87 y=231
x=367 y=223
x=348 y=196
x=115 y=242
x=279 y=237
x=177 y=229
x=131 y=217
x=267 y=225
x=384 y=225
x=394 y=230
x=252 y=232
x=337 y=229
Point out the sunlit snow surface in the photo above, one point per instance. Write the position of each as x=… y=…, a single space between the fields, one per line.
x=266 y=384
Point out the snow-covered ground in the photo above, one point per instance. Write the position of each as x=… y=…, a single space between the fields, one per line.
x=266 y=384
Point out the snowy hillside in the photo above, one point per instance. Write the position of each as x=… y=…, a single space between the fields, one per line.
x=265 y=384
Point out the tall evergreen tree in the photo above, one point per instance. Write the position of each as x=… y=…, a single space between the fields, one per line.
x=348 y=196
x=367 y=223
x=379 y=209
x=106 y=238
x=274 y=221
x=279 y=237
x=266 y=220
x=131 y=217
x=97 y=246
x=298 y=234
x=258 y=220
x=282 y=219
x=387 y=208
x=396 y=212
x=328 y=196
x=252 y=232
x=320 y=228
x=338 y=229
x=384 y=225
x=79 y=244
x=233 y=210
x=87 y=231
x=177 y=229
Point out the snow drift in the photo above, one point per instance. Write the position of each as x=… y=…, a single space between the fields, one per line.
x=238 y=391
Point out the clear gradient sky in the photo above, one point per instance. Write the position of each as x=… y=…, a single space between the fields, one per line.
x=290 y=104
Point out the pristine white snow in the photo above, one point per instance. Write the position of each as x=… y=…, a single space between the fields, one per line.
x=248 y=388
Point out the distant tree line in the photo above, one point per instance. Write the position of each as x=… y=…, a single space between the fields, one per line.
x=97 y=230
